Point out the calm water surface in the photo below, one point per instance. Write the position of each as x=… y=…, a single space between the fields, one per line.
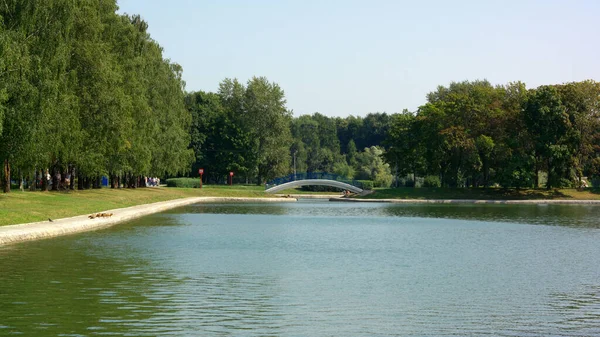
x=314 y=269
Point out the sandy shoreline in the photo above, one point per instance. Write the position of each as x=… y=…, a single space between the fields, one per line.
x=46 y=229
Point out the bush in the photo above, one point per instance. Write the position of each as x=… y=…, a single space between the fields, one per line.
x=183 y=182
x=432 y=181
x=383 y=179
x=321 y=188
x=566 y=183
x=366 y=184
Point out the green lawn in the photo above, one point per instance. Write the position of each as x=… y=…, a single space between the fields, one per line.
x=482 y=193
x=22 y=207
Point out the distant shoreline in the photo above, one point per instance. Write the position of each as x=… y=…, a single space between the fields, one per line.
x=474 y=201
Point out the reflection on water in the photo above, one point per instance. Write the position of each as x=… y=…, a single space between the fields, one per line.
x=314 y=269
x=553 y=215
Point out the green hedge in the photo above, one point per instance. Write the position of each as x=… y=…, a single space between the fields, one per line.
x=366 y=184
x=183 y=182
x=320 y=188
x=432 y=181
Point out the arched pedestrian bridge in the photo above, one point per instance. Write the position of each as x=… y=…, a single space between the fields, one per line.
x=311 y=179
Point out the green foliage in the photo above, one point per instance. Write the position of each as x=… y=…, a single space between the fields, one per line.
x=372 y=167
x=183 y=182
x=319 y=188
x=432 y=181
x=474 y=134
x=366 y=184
x=344 y=169
x=245 y=129
x=86 y=91
x=409 y=183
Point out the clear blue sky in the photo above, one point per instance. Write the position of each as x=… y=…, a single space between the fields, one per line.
x=355 y=57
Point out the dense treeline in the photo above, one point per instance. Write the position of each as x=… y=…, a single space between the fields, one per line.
x=85 y=92
x=247 y=129
x=242 y=128
x=475 y=134
x=469 y=134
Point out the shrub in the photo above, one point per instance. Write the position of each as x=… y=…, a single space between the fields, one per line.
x=183 y=182
x=566 y=183
x=320 y=188
x=383 y=179
x=432 y=181
x=366 y=184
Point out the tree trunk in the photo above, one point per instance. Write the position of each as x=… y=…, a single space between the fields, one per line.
x=96 y=183
x=486 y=174
x=63 y=179
x=6 y=176
x=21 y=186
x=550 y=175
x=54 y=180
x=44 y=181
x=33 y=181
x=72 y=182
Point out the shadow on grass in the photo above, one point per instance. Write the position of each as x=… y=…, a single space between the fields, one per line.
x=594 y=190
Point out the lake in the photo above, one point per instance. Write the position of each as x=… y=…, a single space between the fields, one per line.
x=314 y=268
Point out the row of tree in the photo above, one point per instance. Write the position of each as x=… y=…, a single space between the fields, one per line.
x=242 y=128
x=476 y=134
x=467 y=134
x=248 y=129
x=85 y=91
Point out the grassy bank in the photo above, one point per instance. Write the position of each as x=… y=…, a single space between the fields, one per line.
x=22 y=207
x=483 y=194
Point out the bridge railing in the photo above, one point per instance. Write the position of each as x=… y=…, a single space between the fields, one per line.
x=312 y=175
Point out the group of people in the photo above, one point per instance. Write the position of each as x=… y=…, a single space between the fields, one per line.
x=59 y=179
x=152 y=181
